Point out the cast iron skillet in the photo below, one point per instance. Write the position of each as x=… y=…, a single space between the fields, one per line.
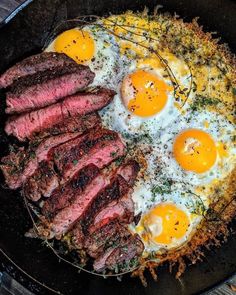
x=27 y=259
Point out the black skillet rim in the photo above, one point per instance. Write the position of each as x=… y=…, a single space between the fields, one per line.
x=4 y=22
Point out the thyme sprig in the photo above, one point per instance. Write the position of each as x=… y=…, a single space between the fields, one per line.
x=90 y=19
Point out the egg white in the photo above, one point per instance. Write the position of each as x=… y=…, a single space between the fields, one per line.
x=106 y=63
x=119 y=118
x=220 y=129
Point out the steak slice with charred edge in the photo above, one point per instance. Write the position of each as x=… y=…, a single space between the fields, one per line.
x=106 y=237
x=122 y=210
x=46 y=88
x=63 y=196
x=66 y=218
x=33 y=64
x=71 y=125
x=25 y=125
x=98 y=147
x=114 y=202
x=42 y=183
x=118 y=187
x=120 y=256
x=17 y=167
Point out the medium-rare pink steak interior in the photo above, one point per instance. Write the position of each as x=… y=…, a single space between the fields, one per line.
x=67 y=167
x=45 y=88
x=42 y=183
x=63 y=195
x=35 y=64
x=26 y=125
x=98 y=147
x=21 y=164
x=65 y=219
x=71 y=125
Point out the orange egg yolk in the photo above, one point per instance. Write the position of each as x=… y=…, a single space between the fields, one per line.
x=195 y=150
x=77 y=44
x=144 y=93
x=166 y=223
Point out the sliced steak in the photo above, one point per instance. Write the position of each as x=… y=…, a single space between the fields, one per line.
x=78 y=237
x=113 y=191
x=114 y=202
x=104 y=238
x=64 y=195
x=120 y=256
x=98 y=147
x=122 y=210
x=66 y=218
x=45 y=88
x=71 y=125
x=33 y=64
x=129 y=171
x=19 y=166
x=25 y=125
x=110 y=196
x=42 y=183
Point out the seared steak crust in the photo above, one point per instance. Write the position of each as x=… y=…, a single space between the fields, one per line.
x=115 y=190
x=45 y=88
x=118 y=188
x=72 y=124
x=121 y=210
x=25 y=125
x=113 y=203
x=63 y=196
x=120 y=255
x=99 y=147
x=104 y=238
x=33 y=64
x=42 y=183
x=18 y=166
x=66 y=218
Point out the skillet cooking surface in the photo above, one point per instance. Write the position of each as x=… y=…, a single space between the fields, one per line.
x=26 y=34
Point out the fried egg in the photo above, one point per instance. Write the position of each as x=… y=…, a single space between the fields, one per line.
x=93 y=47
x=170 y=213
x=197 y=151
x=145 y=100
x=165 y=226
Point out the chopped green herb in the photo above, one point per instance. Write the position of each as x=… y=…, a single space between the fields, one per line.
x=202 y=101
x=233 y=137
x=75 y=162
x=119 y=161
x=32 y=155
x=164 y=188
x=113 y=154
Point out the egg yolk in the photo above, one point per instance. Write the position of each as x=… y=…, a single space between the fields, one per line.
x=77 y=44
x=143 y=93
x=195 y=150
x=166 y=223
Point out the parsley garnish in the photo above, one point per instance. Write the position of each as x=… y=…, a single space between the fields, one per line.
x=113 y=154
x=201 y=101
x=164 y=188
